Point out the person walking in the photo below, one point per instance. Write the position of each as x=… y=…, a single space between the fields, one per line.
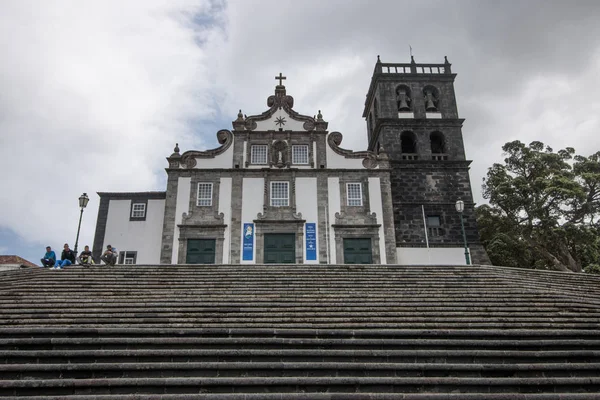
x=49 y=258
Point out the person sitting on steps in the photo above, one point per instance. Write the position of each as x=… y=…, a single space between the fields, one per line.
x=49 y=258
x=85 y=257
x=110 y=255
x=66 y=258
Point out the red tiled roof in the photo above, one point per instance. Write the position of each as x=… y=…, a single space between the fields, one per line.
x=16 y=260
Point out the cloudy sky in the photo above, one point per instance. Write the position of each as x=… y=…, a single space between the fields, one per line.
x=94 y=94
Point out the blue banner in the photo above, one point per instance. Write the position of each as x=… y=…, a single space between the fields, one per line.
x=248 y=242
x=310 y=231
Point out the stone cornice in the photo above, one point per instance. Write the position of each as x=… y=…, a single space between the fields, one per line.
x=381 y=77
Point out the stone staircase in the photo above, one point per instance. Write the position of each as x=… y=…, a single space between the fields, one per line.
x=299 y=332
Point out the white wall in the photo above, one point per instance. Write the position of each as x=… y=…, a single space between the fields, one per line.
x=184 y=186
x=252 y=204
x=145 y=237
x=333 y=191
x=334 y=160
x=225 y=208
x=224 y=160
x=306 y=203
x=270 y=124
x=433 y=256
x=376 y=205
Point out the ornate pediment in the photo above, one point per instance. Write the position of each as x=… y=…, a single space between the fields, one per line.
x=188 y=159
x=280 y=116
x=370 y=158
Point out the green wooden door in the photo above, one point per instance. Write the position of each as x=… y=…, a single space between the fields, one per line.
x=358 y=251
x=280 y=248
x=201 y=251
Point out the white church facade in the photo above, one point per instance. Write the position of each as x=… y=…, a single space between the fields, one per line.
x=278 y=189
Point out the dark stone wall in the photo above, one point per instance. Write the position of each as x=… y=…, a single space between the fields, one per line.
x=437 y=187
x=386 y=94
x=426 y=181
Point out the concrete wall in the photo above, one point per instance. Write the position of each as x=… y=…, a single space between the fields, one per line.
x=431 y=256
x=252 y=204
x=142 y=236
x=271 y=125
x=307 y=205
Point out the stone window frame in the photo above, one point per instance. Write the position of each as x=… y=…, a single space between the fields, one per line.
x=365 y=206
x=266 y=155
x=432 y=229
x=271 y=198
x=307 y=154
x=193 y=200
x=436 y=94
x=342 y=232
x=123 y=257
x=350 y=199
x=215 y=232
x=132 y=210
x=409 y=103
x=198 y=199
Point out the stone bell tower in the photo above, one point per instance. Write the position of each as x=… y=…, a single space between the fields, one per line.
x=411 y=112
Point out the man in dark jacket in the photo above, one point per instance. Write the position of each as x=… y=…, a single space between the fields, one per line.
x=66 y=258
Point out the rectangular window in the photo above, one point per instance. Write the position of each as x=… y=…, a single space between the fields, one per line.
x=434 y=224
x=300 y=154
x=433 y=220
x=138 y=210
x=354 y=192
x=127 y=257
x=280 y=194
x=258 y=154
x=205 y=193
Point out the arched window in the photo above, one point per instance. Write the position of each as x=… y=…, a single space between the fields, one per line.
x=376 y=109
x=432 y=98
x=438 y=143
x=403 y=98
x=408 y=143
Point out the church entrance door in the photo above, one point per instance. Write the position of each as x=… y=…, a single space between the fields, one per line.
x=358 y=251
x=201 y=251
x=280 y=248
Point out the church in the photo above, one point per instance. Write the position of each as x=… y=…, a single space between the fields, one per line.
x=281 y=188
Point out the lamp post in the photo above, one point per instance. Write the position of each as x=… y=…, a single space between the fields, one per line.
x=83 y=201
x=460 y=208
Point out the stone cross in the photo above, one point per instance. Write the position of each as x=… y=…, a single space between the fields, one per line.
x=280 y=77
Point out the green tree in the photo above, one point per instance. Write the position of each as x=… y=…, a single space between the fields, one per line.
x=544 y=208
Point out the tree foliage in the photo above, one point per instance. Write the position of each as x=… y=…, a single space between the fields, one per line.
x=544 y=208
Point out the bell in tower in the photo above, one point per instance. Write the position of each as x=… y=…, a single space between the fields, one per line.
x=430 y=99
x=403 y=98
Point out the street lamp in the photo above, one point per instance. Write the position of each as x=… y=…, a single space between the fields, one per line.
x=83 y=202
x=460 y=208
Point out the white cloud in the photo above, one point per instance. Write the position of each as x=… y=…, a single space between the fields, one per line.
x=94 y=94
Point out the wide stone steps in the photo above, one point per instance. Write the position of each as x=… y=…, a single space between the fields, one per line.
x=324 y=396
x=299 y=332
x=67 y=387
x=289 y=369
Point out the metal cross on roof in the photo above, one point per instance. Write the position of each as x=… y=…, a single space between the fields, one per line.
x=280 y=77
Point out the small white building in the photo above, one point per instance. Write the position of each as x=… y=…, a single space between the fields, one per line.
x=279 y=189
